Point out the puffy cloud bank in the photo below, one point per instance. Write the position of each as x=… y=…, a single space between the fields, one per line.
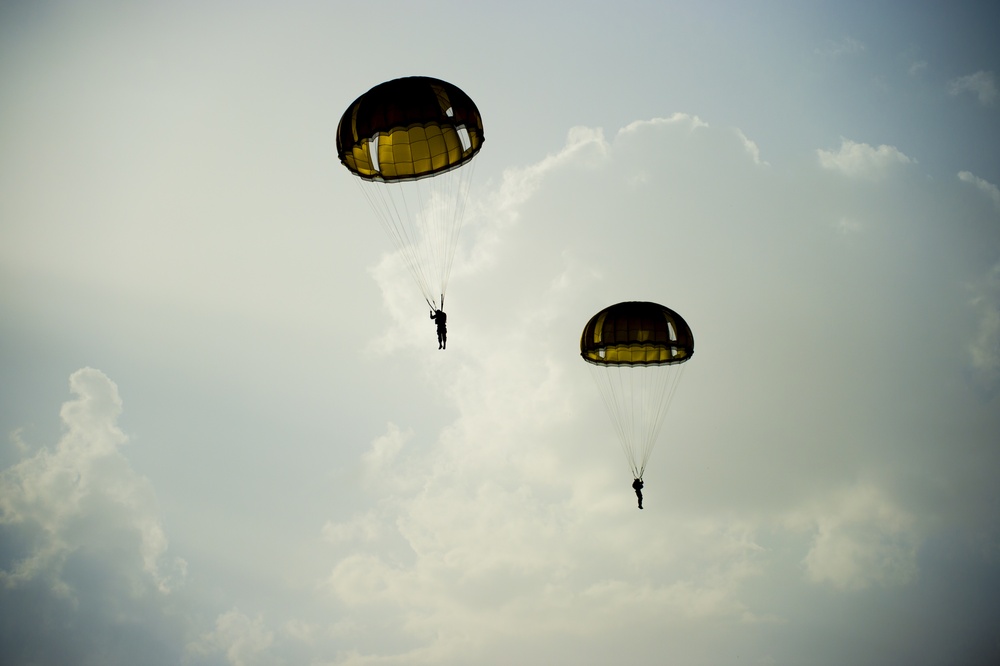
x=83 y=546
x=826 y=469
x=511 y=530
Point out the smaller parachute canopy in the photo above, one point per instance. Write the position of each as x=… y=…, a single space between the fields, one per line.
x=409 y=128
x=636 y=333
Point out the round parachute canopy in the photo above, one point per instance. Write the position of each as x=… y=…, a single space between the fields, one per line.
x=636 y=352
x=636 y=333
x=409 y=128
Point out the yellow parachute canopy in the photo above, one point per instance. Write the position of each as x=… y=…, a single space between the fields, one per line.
x=636 y=333
x=409 y=128
x=406 y=141
x=636 y=351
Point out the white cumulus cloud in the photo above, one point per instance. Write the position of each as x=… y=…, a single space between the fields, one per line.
x=751 y=148
x=82 y=547
x=83 y=493
x=982 y=84
x=862 y=160
x=860 y=538
x=984 y=186
x=984 y=347
x=244 y=640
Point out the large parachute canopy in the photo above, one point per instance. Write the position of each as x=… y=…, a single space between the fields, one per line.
x=411 y=142
x=636 y=350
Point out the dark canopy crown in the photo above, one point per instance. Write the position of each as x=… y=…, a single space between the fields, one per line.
x=409 y=128
x=636 y=333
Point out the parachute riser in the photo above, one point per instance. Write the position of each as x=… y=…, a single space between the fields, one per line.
x=433 y=303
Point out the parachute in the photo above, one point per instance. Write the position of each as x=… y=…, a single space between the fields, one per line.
x=410 y=142
x=636 y=352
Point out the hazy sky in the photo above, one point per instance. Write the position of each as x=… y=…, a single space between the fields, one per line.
x=229 y=437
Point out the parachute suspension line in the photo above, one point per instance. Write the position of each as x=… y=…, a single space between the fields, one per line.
x=637 y=399
x=396 y=210
x=674 y=380
x=452 y=198
x=643 y=382
x=423 y=219
x=640 y=388
x=420 y=203
x=434 y=222
x=613 y=404
x=421 y=245
x=659 y=392
x=617 y=394
x=441 y=222
x=461 y=185
x=628 y=378
x=391 y=209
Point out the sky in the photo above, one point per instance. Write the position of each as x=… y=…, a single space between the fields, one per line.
x=229 y=437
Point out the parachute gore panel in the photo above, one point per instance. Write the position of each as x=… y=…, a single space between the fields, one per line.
x=409 y=128
x=636 y=333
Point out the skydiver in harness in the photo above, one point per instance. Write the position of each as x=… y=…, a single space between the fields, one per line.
x=637 y=486
x=441 y=319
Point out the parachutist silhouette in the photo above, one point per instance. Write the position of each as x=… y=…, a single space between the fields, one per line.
x=637 y=485
x=441 y=319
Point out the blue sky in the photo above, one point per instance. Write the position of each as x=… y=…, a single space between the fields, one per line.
x=229 y=437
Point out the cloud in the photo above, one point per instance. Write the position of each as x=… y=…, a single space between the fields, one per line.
x=848 y=225
x=860 y=538
x=495 y=564
x=984 y=347
x=482 y=536
x=82 y=539
x=984 y=186
x=917 y=68
x=484 y=222
x=244 y=640
x=848 y=46
x=861 y=160
x=84 y=481
x=513 y=517
x=981 y=84
x=689 y=121
x=751 y=148
x=505 y=529
x=586 y=151
x=378 y=460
